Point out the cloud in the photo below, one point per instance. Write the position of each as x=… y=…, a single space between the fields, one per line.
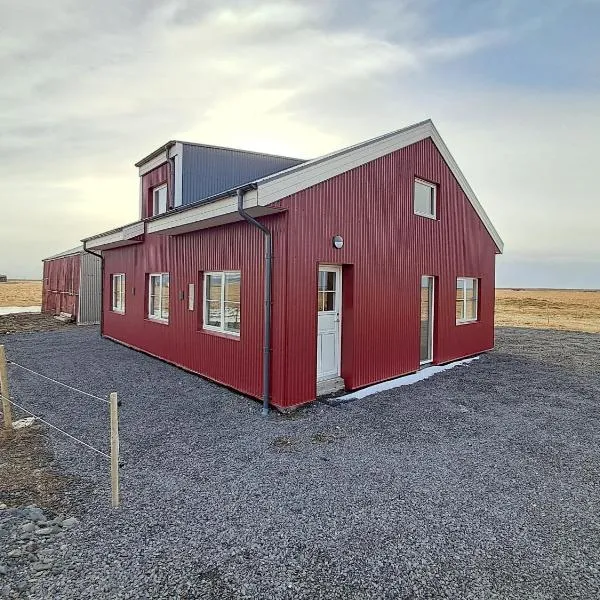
x=89 y=88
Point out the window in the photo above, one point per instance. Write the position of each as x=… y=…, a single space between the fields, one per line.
x=158 y=296
x=467 y=293
x=118 y=292
x=424 y=198
x=159 y=200
x=222 y=301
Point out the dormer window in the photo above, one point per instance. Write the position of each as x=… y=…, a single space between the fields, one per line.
x=159 y=200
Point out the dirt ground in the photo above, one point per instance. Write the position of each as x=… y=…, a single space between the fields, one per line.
x=574 y=310
x=20 y=293
x=29 y=322
x=27 y=473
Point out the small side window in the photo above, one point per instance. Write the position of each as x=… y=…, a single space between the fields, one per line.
x=222 y=301
x=159 y=200
x=467 y=300
x=118 y=292
x=424 y=198
x=158 y=297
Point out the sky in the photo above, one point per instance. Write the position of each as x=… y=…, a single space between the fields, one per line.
x=88 y=88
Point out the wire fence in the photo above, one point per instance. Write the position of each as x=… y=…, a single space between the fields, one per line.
x=72 y=437
x=69 y=387
x=8 y=402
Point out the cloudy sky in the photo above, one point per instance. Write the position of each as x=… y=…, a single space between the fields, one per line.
x=88 y=88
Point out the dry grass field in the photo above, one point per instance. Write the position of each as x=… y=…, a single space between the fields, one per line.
x=573 y=310
x=20 y=293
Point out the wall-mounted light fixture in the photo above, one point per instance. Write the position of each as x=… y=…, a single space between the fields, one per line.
x=338 y=241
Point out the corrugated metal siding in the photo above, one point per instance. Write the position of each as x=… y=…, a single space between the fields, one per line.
x=208 y=171
x=60 y=287
x=234 y=362
x=386 y=250
x=90 y=296
x=150 y=180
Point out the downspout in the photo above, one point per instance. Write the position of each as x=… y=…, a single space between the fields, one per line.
x=268 y=274
x=101 y=286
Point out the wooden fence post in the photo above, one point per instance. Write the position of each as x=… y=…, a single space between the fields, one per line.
x=4 y=391
x=114 y=449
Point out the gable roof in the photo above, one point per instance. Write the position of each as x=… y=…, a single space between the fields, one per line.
x=279 y=185
x=69 y=252
x=221 y=208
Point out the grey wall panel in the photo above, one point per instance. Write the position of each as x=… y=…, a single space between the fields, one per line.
x=208 y=170
x=90 y=297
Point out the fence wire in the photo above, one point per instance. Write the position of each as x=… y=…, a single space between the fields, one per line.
x=69 y=387
x=72 y=437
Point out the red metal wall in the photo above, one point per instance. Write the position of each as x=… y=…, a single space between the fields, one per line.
x=150 y=180
x=236 y=362
x=60 y=286
x=387 y=249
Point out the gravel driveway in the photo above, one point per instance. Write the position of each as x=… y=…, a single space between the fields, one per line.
x=480 y=482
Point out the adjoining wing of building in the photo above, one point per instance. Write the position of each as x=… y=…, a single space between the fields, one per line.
x=287 y=279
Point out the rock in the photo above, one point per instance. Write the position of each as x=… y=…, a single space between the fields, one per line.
x=34 y=513
x=41 y=566
x=48 y=530
x=2 y=506
x=15 y=553
x=3 y=570
x=70 y=522
x=28 y=527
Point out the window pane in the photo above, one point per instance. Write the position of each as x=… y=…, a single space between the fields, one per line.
x=423 y=199
x=322 y=280
x=160 y=200
x=232 y=287
x=213 y=287
x=326 y=301
x=165 y=296
x=232 y=316
x=213 y=313
x=460 y=310
x=155 y=296
x=472 y=309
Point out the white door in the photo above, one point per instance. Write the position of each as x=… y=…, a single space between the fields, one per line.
x=329 y=298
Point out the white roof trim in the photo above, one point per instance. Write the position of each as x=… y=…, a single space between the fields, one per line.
x=116 y=237
x=201 y=212
x=292 y=180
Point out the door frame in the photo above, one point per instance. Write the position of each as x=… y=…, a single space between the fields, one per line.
x=429 y=361
x=338 y=293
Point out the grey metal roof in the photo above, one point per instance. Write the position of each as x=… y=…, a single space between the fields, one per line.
x=70 y=252
x=209 y=170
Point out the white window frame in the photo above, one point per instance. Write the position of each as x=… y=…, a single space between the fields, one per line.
x=433 y=187
x=464 y=299
x=149 y=311
x=206 y=326
x=115 y=307
x=155 y=207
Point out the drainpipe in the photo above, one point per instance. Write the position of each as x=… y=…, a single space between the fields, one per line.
x=268 y=267
x=101 y=286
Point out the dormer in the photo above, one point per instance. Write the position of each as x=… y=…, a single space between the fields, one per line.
x=181 y=173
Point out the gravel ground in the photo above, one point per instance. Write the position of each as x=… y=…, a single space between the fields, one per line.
x=480 y=482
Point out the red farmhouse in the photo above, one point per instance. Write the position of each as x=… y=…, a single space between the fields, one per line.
x=289 y=279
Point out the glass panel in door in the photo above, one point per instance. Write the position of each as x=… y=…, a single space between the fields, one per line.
x=426 y=319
